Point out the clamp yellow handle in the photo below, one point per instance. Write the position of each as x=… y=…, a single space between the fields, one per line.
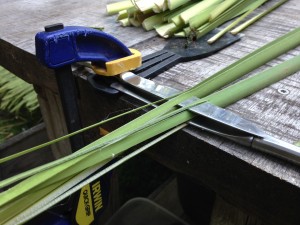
x=118 y=66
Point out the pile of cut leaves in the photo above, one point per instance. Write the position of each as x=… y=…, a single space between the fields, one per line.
x=187 y=18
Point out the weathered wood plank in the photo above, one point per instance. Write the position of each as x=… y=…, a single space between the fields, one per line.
x=226 y=214
x=27 y=139
x=53 y=117
x=25 y=65
x=35 y=15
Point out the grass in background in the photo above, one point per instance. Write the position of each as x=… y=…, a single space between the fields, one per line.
x=19 y=108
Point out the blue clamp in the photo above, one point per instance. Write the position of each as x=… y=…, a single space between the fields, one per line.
x=58 y=46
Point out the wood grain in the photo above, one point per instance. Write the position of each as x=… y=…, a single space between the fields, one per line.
x=27 y=139
x=53 y=117
x=226 y=214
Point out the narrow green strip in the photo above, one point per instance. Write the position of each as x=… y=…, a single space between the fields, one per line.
x=38 y=147
x=222 y=7
x=256 y=18
x=114 y=8
x=199 y=20
x=173 y=4
x=150 y=22
x=197 y=9
x=13 y=209
x=93 y=148
x=250 y=62
x=253 y=84
x=253 y=6
x=229 y=14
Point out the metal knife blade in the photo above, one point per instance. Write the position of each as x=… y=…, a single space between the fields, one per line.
x=219 y=121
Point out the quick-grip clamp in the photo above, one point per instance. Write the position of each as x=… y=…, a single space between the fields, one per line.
x=58 y=46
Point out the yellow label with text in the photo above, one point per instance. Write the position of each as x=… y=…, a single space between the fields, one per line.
x=85 y=212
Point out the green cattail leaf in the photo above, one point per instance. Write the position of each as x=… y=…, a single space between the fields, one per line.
x=114 y=8
x=229 y=14
x=173 y=4
x=197 y=9
x=253 y=84
x=222 y=7
x=253 y=6
x=256 y=18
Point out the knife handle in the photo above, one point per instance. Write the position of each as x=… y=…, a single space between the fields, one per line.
x=278 y=148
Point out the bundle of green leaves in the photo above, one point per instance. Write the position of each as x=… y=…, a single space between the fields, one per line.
x=187 y=18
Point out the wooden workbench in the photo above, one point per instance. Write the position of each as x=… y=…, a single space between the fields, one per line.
x=258 y=183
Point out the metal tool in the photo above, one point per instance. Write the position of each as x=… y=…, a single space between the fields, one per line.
x=217 y=120
x=177 y=50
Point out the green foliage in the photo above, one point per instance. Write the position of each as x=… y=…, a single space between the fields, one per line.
x=10 y=125
x=16 y=95
x=19 y=108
